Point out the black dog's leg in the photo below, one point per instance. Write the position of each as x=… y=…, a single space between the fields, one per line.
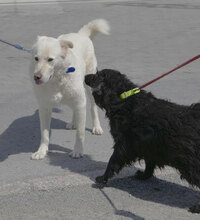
x=147 y=173
x=195 y=209
x=114 y=166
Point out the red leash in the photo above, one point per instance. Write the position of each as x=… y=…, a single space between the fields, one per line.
x=176 y=68
x=136 y=90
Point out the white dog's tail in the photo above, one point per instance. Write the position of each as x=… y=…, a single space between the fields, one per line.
x=94 y=27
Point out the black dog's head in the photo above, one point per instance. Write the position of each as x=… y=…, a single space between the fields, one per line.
x=107 y=85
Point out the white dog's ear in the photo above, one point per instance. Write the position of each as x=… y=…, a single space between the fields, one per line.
x=38 y=37
x=34 y=46
x=65 y=45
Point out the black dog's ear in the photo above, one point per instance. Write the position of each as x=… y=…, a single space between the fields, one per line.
x=98 y=72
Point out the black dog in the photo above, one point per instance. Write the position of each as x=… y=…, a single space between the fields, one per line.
x=145 y=127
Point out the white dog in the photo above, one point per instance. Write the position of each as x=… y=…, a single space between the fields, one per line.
x=58 y=67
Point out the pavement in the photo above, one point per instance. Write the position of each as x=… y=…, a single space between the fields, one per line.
x=147 y=39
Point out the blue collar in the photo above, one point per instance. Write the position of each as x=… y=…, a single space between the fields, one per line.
x=70 y=69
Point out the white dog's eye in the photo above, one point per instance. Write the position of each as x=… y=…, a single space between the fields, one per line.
x=50 y=60
x=36 y=58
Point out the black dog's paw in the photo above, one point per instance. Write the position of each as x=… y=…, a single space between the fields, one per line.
x=140 y=175
x=195 y=209
x=101 y=179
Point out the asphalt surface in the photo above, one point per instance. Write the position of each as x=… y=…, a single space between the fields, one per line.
x=147 y=39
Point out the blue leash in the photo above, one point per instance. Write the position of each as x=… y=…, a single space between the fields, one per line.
x=17 y=46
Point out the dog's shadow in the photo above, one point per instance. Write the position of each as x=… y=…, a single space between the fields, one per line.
x=20 y=137
x=23 y=136
x=157 y=190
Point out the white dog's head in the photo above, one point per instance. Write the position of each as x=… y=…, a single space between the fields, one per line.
x=48 y=55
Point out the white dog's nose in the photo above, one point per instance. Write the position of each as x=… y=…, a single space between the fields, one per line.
x=37 y=76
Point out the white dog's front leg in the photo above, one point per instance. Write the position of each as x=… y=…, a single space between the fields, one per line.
x=45 y=119
x=94 y=112
x=72 y=125
x=80 y=115
x=96 y=123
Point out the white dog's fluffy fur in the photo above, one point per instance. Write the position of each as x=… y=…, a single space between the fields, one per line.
x=51 y=57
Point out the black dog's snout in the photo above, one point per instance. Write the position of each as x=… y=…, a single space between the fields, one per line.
x=89 y=79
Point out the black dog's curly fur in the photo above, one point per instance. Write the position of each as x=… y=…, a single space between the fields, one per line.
x=145 y=127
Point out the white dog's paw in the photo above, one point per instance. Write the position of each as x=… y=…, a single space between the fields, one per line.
x=38 y=155
x=76 y=154
x=97 y=130
x=70 y=126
